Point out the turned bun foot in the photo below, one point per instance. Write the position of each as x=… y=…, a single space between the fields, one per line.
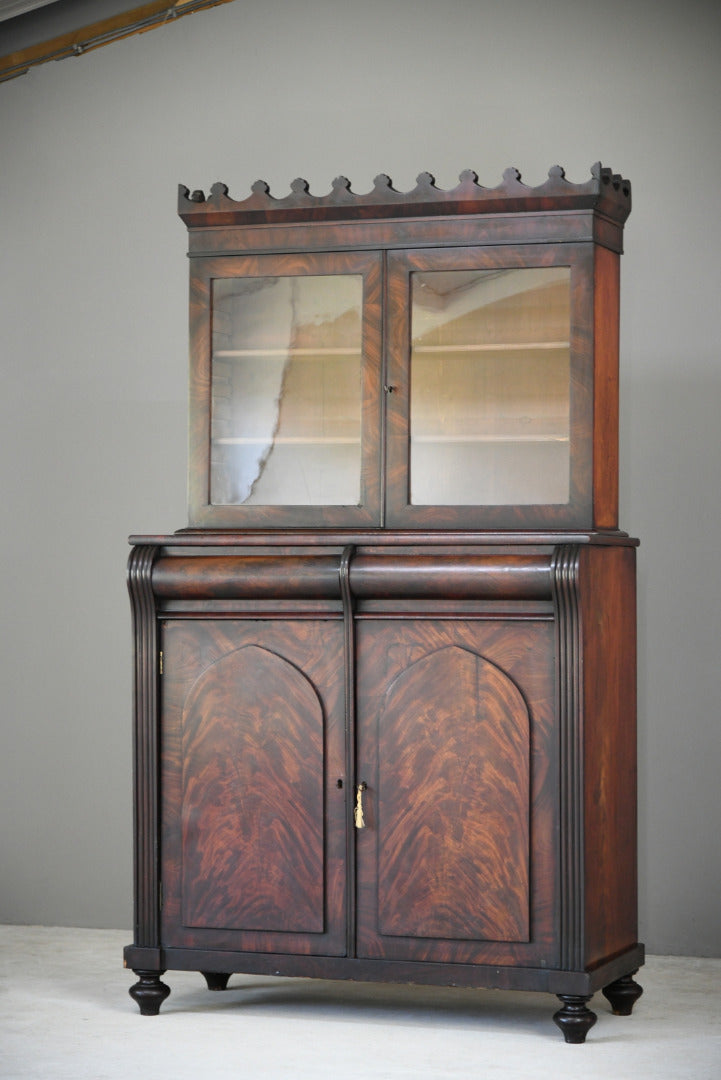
x=216 y=980
x=575 y=1020
x=149 y=992
x=623 y=994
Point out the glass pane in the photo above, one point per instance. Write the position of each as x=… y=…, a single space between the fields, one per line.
x=490 y=387
x=286 y=391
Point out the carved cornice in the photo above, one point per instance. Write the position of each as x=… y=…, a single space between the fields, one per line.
x=606 y=192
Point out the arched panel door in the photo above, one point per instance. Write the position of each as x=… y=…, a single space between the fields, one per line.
x=253 y=796
x=458 y=827
x=253 y=846
x=453 y=813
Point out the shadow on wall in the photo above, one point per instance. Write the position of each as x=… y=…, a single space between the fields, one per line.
x=675 y=509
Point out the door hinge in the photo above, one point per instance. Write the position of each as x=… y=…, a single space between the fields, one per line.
x=160 y=896
x=160 y=663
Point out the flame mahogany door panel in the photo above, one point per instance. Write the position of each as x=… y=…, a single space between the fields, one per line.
x=455 y=739
x=253 y=833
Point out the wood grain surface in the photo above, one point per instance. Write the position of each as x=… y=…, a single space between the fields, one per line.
x=456 y=743
x=253 y=823
x=453 y=814
x=253 y=796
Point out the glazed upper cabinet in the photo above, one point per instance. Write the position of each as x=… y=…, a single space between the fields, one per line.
x=457 y=372
x=480 y=354
x=291 y=371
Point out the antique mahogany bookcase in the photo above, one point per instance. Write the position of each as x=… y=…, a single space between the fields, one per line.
x=385 y=681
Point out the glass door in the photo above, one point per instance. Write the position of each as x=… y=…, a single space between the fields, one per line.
x=488 y=415
x=286 y=421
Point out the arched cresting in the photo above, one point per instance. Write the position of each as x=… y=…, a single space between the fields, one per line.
x=454 y=819
x=253 y=797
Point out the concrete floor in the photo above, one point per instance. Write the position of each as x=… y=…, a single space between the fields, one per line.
x=65 y=1013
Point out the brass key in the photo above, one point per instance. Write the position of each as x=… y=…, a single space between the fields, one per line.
x=358 y=813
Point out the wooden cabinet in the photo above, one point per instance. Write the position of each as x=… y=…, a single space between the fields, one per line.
x=385 y=681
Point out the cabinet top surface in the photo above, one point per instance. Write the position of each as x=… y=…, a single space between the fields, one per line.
x=199 y=538
x=606 y=192
x=428 y=360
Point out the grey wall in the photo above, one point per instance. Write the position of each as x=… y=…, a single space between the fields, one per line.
x=94 y=346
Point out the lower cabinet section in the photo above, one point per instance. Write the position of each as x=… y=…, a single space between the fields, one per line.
x=348 y=766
